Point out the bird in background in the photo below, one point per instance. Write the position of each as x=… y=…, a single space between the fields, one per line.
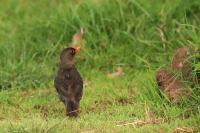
x=167 y=80
x=180 y=62
x=168 y=83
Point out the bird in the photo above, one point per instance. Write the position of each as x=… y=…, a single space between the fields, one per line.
x=180 y=62
x=171 y=86
x=68 y=82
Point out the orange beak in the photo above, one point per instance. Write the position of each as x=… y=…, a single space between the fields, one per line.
x=77 y=49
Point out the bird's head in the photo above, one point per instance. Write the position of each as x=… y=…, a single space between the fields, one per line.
x=67 y=57
x=182 y=53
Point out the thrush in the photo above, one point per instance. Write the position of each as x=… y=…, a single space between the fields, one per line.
x=180 y=62
x=173 y=87
x=68 y=82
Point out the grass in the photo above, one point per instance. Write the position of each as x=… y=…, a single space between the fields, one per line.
x=103 y=107
x=126 y=33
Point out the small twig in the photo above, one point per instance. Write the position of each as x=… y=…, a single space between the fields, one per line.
x=142 y=122
x=162 y=36
x=74 y=111
x=183 y=130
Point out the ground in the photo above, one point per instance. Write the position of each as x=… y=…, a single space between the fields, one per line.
x=116 y=105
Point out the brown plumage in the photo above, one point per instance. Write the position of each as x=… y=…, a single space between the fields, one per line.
x=68 y=82
x=170 y=85
x=180 y=62
x=166 y=80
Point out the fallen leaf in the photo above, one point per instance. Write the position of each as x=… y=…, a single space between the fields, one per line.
x=119 y=72
x=78 y=39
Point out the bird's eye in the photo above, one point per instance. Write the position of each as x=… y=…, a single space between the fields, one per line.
x=73 y=52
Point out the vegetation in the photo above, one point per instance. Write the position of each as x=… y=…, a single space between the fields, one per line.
x=140 y=36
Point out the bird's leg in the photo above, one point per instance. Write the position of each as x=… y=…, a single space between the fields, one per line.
x=71 y=108
x=74 y=109
x=68 y=107
x=66 y=113
x=76 y=106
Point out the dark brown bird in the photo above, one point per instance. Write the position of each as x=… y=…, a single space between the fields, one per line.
x=68 y=82
x=170 y=85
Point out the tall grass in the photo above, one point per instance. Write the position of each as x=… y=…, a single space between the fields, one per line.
x=117 y=32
